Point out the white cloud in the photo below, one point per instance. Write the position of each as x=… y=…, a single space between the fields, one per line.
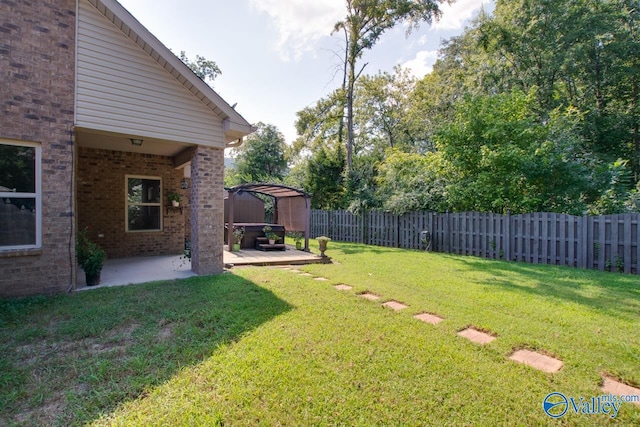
x=300 y=23
x=454 y=15
x=422 y=64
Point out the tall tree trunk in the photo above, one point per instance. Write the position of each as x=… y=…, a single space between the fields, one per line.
x=350 y=93
x=344 y=86
x=636 y=136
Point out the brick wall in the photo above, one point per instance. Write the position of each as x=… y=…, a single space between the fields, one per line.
x=101 y=202
x=207 y=210
x=37 y=60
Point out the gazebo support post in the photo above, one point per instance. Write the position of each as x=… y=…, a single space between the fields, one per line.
x=307 y=222
x=230 y=236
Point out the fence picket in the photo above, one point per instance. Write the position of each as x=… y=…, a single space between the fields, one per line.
x=627 y=243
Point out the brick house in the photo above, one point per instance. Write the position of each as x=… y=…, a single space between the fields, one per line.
x=100 y=122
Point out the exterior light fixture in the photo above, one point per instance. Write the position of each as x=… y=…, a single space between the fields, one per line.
x=184 y=184
x=136 y=142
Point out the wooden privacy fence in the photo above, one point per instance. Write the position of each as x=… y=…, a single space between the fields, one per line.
x=607 y=242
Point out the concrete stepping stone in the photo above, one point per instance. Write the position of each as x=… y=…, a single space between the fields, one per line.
x=293 y=270
x=306 y=274
x=321 y=279
x=395 y=305
x=428 y=318
x=537 y=360
x=343 y=287
x=369 y=296
x=476 y=336
x=617 y=388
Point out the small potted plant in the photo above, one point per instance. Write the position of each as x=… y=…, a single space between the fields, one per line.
x=297 y=237
x=90 y=256
x=238 y=234
x=322 y=244
x=269 y=234
x=174 y=198
x=273 y=237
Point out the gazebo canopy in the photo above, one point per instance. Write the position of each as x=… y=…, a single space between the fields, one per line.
x=292 y=206
x=274 y=190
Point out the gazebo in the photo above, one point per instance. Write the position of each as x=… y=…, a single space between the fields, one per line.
x=292 y=208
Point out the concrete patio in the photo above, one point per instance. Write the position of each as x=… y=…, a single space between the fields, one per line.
x=126 y=271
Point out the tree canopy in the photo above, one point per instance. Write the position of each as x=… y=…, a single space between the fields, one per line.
x=532 y=108
x=261 y=158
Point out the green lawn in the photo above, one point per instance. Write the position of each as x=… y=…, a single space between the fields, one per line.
x=263 y=346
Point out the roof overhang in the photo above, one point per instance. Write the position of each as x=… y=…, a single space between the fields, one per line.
x=235 y=126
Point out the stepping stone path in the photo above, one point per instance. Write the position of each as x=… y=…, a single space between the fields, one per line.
x=476 y=336
x=531 y=358
x=428 y=318
x=615 y=387
x=369 y=296
x=395 y=305
x=293 y=270
x=537 y=360
x=307 y=274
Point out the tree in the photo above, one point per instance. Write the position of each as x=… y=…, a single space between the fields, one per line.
x=262 y=156
x=319 y=125
x=503 y=159
x=201 y=67
x=381 y=110
x=324 y=179
x=411 y=182
x=365 y=22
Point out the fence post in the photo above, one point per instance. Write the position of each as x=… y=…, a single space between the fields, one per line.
x=507 y=236
x=365 y=227
x=583 y=249
x=396 y=218
x=447 y=232
x=627 y=244
x=432 y=229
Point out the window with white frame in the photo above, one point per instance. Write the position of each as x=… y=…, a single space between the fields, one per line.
x=144 y=203
x=20 y=196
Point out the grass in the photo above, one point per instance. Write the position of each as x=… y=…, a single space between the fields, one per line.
x=263 y=346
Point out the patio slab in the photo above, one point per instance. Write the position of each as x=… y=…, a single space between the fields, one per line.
x=428 y=318
x=395 y=305
x=369 y=296
x=537 y=360
x=617 y=388
x=476 y=336
x=343 y=287
x=126 y=271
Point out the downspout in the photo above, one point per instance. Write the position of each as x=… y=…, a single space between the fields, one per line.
x=234 y=144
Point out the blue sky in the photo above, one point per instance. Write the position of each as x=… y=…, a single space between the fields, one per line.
x=278 y=56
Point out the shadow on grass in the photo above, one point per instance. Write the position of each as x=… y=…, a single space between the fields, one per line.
x=611 y=293
x=68 y=359
x=359 y=248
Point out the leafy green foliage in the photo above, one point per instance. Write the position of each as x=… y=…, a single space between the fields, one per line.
x=365 y=22
x=324 y=179
x=262 y=156
x=90 y=255
x=409 y=182
x=504 y=160
x=201 y=67
x=533 y=108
